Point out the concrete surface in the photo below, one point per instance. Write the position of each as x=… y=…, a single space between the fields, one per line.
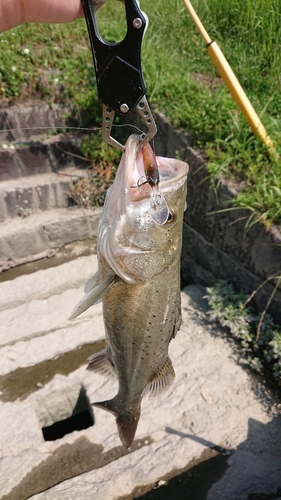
x=222 y=242
x=214 y=402
x=37 y=236
x=23 y=122
x=34 y=193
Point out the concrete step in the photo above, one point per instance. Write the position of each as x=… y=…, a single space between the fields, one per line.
x=37 y=236
x=33 y=157
x=21 y=123
x=214 y=404
x=34 y=311
x=20 y=197
x=28 y=287
x=25 y=145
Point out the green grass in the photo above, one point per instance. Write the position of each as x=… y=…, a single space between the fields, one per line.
x=259 y=336
x=55 y=63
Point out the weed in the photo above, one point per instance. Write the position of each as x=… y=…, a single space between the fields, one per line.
x=25 y=212
x=99 y=152
x=104 y=160
x=263 y=350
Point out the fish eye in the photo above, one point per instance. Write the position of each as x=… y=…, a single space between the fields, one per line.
x=171 y=217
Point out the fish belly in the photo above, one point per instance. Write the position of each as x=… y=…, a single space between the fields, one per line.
x=140 y=321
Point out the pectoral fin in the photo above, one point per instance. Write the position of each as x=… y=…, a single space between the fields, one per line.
x=93 y=295
x=91 y=283
x=101 y=363
x=161 y=381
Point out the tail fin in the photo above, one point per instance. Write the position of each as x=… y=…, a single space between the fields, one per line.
x=126 y=421
x=127 y=426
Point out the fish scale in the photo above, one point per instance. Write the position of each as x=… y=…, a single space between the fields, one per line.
x=138 y=280
x=141 y=322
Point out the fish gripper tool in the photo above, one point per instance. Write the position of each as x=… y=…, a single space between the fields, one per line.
x=120 y=83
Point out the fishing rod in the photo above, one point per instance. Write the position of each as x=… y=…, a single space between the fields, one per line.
x=231 y=81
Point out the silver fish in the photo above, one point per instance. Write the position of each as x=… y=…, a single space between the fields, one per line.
x=138 y=280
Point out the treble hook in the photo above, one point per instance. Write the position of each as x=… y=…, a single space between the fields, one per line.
x=158 y=206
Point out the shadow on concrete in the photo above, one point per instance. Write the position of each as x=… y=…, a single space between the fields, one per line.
x=192 y=483
x=251 y=472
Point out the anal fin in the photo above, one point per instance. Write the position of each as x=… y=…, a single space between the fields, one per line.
x=161 y=380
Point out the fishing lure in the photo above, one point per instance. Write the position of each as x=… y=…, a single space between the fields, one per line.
x=158 y=206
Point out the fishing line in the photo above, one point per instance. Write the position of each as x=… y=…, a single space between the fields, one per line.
x=50 y=128
x=87 y=129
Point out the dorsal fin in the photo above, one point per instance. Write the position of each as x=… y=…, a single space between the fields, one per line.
x=162 y=380
x=101 y=363
x=94 y=294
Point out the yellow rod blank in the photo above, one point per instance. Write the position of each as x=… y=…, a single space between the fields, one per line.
x=197 y=22
x=231 y=81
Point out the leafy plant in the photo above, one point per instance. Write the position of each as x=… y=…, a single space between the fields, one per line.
x=98 y=151
x=228 y=308
x=104 y=159
x=25 y=212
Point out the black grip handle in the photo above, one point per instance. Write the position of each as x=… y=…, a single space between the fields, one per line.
x=118 y=65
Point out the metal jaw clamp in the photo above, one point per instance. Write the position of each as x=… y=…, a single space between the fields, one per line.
x=119 y=77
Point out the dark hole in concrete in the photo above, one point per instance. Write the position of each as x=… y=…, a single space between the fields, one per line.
x=82 y=420
x=82 y=417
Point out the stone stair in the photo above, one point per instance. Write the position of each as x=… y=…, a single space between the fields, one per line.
x=34 y=194
x=37 y=173
x=54 y=444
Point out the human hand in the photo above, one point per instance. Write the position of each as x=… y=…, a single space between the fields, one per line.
x=15 y=12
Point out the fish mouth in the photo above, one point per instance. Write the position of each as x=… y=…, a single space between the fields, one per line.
x=130 y=189
x=172 y=173
x=133 y=210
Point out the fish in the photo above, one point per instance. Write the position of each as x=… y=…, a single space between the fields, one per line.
x=138 y=280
